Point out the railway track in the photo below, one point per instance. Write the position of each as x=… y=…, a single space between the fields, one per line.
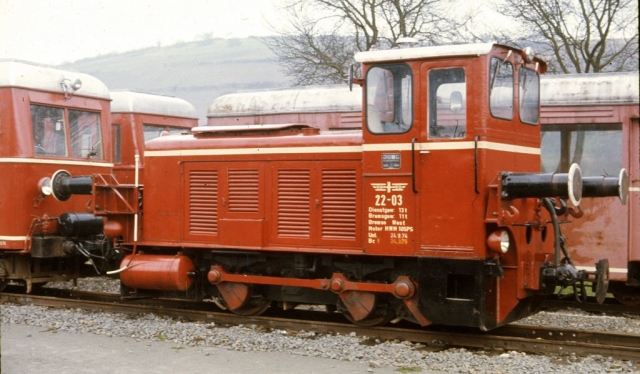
x=610 y=307
x=530 y=339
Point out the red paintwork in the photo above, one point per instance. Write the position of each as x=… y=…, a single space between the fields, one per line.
x=155 y=272
x=133 y=140
x=608 y=229
x=131 y=113
x=21 y=170
x=289 y=190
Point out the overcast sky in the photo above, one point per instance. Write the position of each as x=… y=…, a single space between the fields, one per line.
x=56 y=31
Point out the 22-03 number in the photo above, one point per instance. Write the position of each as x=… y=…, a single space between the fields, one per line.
x=383 y=200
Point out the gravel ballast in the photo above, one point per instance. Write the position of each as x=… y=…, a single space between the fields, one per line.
x=404 y=356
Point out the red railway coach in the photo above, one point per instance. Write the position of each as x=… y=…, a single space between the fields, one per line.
x=329 y=107
x=49 y=118
x=138 y=117
x=435 y=211
x=592 y=119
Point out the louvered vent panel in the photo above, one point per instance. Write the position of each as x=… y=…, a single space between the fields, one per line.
x=203 y=202
x=293 y=203
x=243 y=191
x=339 y=204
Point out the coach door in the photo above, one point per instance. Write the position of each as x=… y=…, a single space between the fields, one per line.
x=389 y=161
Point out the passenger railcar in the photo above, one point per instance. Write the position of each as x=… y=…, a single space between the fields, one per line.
x=138 y=117
x=49 y=119
x=324 y=107
x=592 y=120
x=435 y=211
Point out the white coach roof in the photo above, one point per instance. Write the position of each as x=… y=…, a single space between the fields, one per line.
x=585 y=89
x=310 y=99
x=15 y=73
x=126 y=101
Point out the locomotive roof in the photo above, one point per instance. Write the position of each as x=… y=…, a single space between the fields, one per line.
x=422 y=52
x=597 y=88
x=311 y=99
x=15 y=73
x=127 y=101
x=456 y=50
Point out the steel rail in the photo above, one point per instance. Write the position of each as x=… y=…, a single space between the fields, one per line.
x=530 y=339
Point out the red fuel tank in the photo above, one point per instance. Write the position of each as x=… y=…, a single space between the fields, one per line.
x=157 y=272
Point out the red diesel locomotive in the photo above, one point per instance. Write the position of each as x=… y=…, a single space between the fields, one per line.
x=434 y=212
x=589 y=119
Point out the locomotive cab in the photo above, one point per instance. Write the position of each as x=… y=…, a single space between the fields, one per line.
x=438 y=133
x=447 y=129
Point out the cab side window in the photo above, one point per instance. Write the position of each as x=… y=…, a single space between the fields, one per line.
x=447 y=103
x=389 y=99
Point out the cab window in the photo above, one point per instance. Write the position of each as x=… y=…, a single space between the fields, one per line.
x=86 y=139
x=501 y=88
x=52 y=137
x=48 y=131
x=447 y=103
x=529 y=94
x=389 y=99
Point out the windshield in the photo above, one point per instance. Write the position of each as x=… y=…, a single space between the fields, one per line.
x=529 y=94
x=501 y=88
x=52 y=136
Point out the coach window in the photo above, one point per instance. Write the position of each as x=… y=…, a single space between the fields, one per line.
x=48 y=131
x=86 y=138
x=389 y=99
x=501 y=88
x=116 y=139
x=447 y=103
x=529 y=94
x=154 y=131
x=597 y=148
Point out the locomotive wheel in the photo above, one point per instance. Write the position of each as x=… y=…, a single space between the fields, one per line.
x=3 y=284
x=255 y=307
x=626 y=299
x=379 y=315
x=373 y=320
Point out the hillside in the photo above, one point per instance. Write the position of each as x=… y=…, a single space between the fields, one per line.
x=195 y=71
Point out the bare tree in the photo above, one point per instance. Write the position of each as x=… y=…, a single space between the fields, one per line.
x=319 y=41
x=579 y=36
